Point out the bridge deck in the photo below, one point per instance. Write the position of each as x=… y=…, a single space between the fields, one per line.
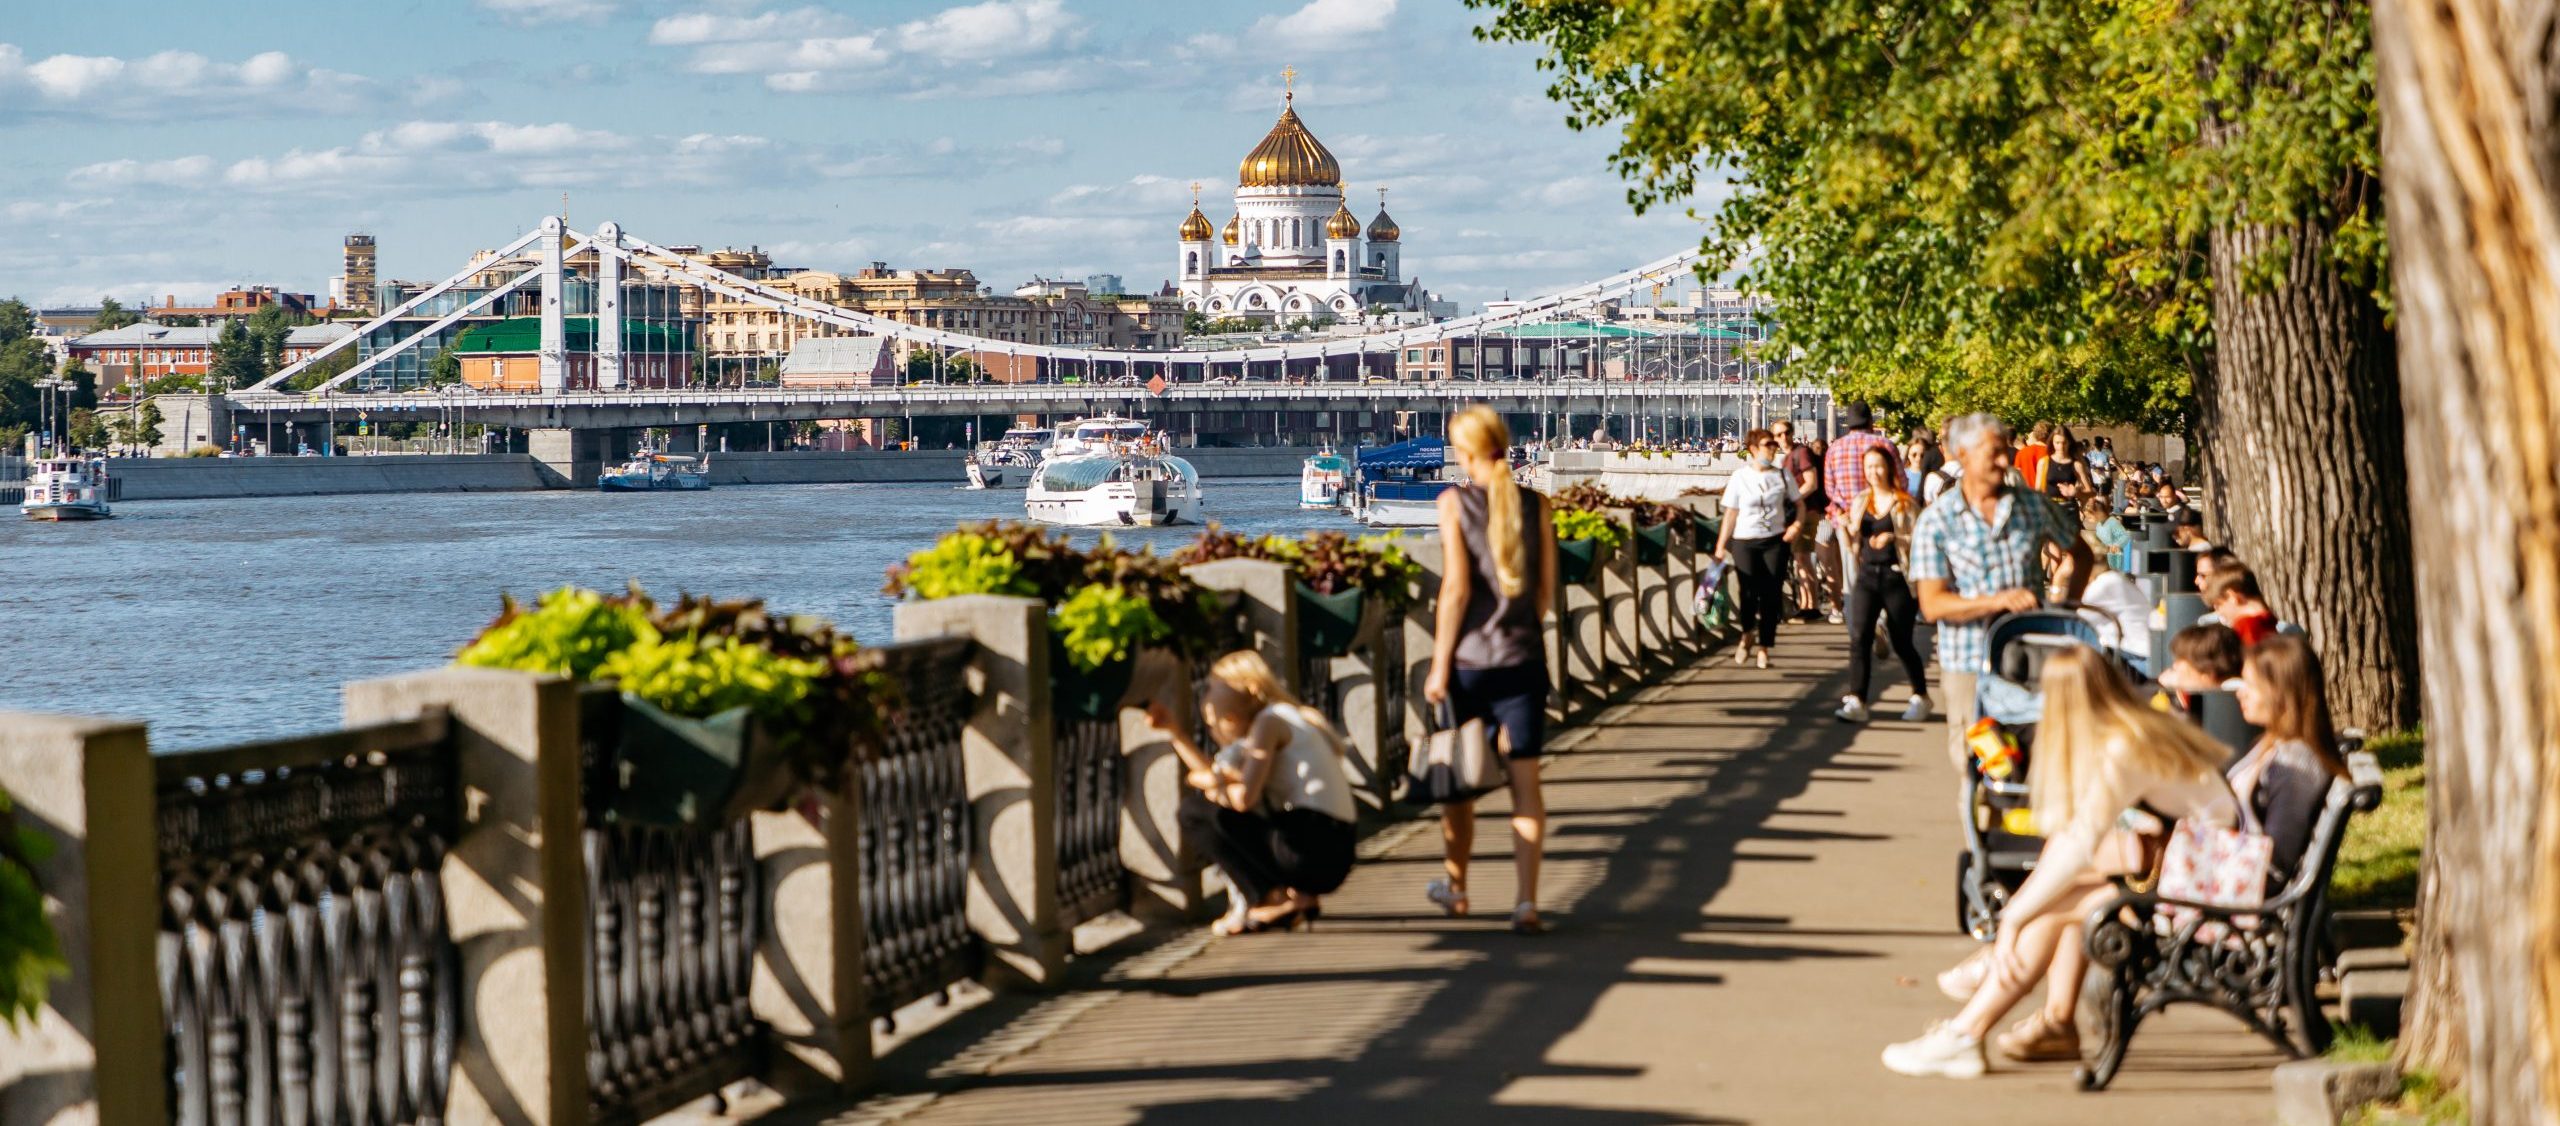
x=1750 y=901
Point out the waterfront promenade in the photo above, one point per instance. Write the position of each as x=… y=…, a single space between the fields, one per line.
x=1750 y=901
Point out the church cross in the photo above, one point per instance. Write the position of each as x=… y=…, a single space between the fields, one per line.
x=1289 y=83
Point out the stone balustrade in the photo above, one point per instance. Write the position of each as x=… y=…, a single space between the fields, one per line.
x=431 y=910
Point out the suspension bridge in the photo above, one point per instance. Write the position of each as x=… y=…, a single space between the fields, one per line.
x=1670 y=383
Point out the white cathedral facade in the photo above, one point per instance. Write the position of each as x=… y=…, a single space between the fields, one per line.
x=1293 y=249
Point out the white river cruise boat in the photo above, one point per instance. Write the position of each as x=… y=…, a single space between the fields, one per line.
x=1322 y=479
x=1399 y=486
x=66 y=488
x=1111 y=472
x=655 y=472
x=1010 y=459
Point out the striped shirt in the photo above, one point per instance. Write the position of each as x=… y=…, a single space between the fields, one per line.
x=1844 y=466
x=1952 y=543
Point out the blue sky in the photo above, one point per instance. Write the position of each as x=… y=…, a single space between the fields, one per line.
x=160 y=148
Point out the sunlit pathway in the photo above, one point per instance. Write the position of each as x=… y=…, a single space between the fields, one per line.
x=1750 y=897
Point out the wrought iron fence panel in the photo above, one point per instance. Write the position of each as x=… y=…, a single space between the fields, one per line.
x=674 y=919
x=1387 y=665
x=916 y=829
x=305 y=963
x=1091 y=880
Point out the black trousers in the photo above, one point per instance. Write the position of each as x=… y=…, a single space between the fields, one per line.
x=1883 y=591
x=1760 y=569
x=1295 y=849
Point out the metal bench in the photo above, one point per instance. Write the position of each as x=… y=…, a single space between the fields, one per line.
x=2261 y=965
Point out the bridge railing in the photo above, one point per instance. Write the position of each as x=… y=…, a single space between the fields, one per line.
x=428 y=912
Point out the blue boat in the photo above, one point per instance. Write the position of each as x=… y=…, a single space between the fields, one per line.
x=1399 y=486
x=654 y=472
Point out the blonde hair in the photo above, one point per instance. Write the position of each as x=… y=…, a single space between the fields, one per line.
x=2094 y=736
x=1480 y=433
x=1252 y=677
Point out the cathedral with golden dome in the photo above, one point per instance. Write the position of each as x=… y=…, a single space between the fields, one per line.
x=1293 y=249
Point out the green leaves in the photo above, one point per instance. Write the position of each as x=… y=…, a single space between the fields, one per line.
x=1585 y=524
x=1100 y=625
x=30 y=955
x=701 y=677
x=962 y=563
x=1328 y=562
x=570 y=632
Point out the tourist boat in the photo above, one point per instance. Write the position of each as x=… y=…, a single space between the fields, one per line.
x=1321 y=479
x=652 y=472
x=1111 y=472
x=1399 y=486
x=1010 y=459
x=66 y=488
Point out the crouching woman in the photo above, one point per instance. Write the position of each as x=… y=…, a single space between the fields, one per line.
x=1272 y=809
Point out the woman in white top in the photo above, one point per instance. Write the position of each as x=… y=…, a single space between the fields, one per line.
x=1273 y=810
x=2123 y=602
x=1753 y=537
x=2100 y=754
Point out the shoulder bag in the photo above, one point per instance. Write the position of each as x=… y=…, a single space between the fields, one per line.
x=1456 y=762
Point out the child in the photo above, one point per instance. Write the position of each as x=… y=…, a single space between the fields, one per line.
x=2202 y=658
x=2233 y=594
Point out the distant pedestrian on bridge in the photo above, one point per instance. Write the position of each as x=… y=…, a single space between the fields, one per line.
x=1489 y=649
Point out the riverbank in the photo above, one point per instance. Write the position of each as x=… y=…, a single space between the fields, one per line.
x=211 y=478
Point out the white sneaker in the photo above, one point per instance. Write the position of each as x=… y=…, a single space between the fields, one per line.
x=1918 y=711
x=1940 y=1053
x=1836 y=619
x=1852 y=710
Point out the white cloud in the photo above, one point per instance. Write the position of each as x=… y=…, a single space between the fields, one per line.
x=993 y=30
x=1326 y=25
x=172 y=82
x=532 y=12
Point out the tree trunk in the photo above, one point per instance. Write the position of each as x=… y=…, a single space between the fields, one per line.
x=2301 y=411
x=2471 y=160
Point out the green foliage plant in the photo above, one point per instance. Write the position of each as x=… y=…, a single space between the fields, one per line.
x=1585 y=524
x=568 y=632
x=30 y=955
x=1102 y=625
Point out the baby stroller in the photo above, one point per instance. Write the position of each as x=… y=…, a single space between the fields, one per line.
x=2000 y=841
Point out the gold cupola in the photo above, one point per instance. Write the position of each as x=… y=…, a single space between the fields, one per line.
x=1344 y=224
x=1195 y=228
x=1234 y=231
x=1289 y=156
x=1382 y=228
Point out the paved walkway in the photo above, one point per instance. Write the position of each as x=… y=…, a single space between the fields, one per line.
x=1750 y=901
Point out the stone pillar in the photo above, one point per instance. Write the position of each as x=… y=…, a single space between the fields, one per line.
x=809 y=986
x=1621 y=645
x=1164 y=873
x=94 y=1051
x=515 y=886
x=1419 y=626
x=1654 y=617
x=570 y=458
x=1582 y=668
x=1359 y=679
x=1271 y=608
x=1688 y=638
x=1012 y=765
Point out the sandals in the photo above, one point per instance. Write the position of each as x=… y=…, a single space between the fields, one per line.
x=1288 y=920
x=1525 y=920
x=1451 y=898
x=2038 y=1039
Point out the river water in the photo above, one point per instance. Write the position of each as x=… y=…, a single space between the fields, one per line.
x=221 y=621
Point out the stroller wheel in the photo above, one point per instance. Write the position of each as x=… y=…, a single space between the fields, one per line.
x=1977 y=900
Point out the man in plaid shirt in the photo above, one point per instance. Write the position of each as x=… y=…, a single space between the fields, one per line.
x=1978 y=553
x=1844 y=476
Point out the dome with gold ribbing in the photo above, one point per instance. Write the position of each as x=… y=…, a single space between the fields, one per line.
x=1234 y=231
x=1196 y=228
x=1289 y=157
x=1382 y=228
x=1343 y=224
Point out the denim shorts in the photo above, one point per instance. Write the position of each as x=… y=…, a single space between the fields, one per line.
x=1513 y=698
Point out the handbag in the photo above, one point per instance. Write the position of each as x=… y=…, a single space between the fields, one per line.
x=1456 y=762
x=2214 y=865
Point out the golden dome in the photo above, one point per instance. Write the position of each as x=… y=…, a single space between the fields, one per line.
x=1235 y=229
x=1343 y=224
x=1383 y=229
x=1289 y=156
x=1195 y=228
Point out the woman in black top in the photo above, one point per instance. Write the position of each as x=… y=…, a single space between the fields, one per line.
x=1489 y=646
x=1884 y=514
x=2066 y=477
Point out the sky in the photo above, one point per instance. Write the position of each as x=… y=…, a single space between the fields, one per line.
x=165 y=148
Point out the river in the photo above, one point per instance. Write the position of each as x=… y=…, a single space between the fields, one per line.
x=221 y=621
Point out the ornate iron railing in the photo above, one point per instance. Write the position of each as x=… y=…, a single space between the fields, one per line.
x=674 y=919
x=916 y=831
x=305 y=963
x=1387 y=664
x=1091 y=880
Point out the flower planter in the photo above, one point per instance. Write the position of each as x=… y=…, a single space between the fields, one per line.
x=674 y=771
x=1653 y=544
x=1579 y=561
x=1078 y=694
x=1330 y=625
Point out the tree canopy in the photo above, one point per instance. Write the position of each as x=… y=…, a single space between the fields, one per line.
x=111 y=315
x=1979 y=191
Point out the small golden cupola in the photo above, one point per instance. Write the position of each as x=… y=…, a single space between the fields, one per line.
x=1343 y=224
x=1235 y=230
x=1195 y=227
x=1382 y=228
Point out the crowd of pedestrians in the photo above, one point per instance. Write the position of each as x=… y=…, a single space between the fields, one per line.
x=1955 y=529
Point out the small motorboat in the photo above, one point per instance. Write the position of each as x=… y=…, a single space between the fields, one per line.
x=654 y=472
x=1111 y=472
x=1399 y=486
x=1322 y=478
x=66 y=488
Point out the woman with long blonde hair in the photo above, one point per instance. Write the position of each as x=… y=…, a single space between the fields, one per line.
x=2099 y=753
x=1489 y=649
x=1273 y=808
